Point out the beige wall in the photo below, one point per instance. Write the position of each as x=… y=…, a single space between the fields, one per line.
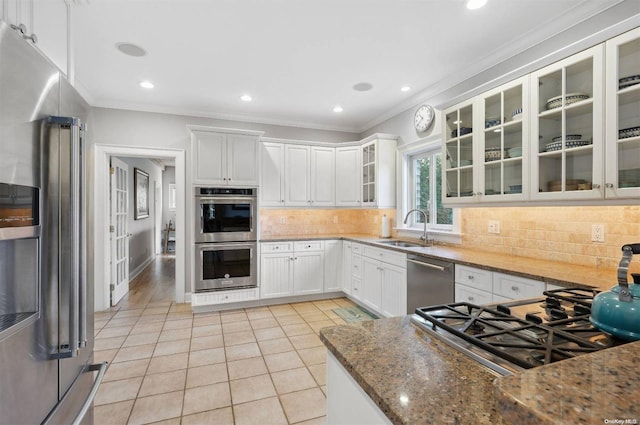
x=295 y=222
x=554 y=233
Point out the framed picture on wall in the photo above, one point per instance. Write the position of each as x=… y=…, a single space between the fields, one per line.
x=141 y=194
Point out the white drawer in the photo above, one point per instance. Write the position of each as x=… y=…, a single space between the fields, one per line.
x=270 y=247
x=356 y=248
x=308 y=246
x=386 y=255
x=471 y=295
x=223 y=297
x=356 y=265
x=516 y=287
x=476 y=278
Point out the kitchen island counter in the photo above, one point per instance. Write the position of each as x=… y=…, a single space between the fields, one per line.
x=411 y=377
x=416 y=379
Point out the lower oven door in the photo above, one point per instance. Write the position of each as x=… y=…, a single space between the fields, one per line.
x=221 y=266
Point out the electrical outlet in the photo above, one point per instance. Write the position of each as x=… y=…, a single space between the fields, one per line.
x=283 y=219
x=597 y=232
x=494 y=227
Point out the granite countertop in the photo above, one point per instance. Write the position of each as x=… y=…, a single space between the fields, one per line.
x=552 y=272
x=391 y=358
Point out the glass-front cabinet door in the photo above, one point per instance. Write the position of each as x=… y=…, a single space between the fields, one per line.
x=567 y=128
x=503 y=142
x=368 y=174
x=458 y=182
x=623 y=116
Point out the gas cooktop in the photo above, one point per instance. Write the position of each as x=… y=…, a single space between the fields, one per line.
x=519 y=335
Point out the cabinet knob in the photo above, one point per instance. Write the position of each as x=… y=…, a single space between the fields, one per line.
x=470 y=298
x=609 y=185
x=470 y=277
x=515 y=288
x=276 y=247
x=595 y=186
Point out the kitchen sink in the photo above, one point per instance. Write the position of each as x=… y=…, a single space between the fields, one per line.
x=401 y=244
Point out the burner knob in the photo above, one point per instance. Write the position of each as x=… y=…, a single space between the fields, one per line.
x=558 y=314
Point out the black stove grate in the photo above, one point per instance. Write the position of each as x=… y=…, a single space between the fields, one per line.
x=516 y=340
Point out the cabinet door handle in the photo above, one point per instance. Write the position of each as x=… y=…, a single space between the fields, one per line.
x=515 y=288
x=470 y=277
x=470 y=298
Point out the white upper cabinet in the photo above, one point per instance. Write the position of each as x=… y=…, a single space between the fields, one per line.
x=224 y=158
x=48 y=20
x=272 y=175
x=503 y=148
x=458 y=178
x=567 y=128
x=323 y=176
x=348 y=166
x=622 y=178
x=297 y=161
x=379 y=171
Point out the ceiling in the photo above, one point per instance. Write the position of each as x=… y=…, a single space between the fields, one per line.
x=300 y=58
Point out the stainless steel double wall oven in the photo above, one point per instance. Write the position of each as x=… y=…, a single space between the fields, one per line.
x=225 y=238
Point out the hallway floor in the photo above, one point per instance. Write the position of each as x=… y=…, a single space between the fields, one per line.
x=262 y=365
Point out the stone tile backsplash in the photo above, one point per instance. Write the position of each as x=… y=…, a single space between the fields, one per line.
x=554 y=233
x=550 y=233
x=323 y=221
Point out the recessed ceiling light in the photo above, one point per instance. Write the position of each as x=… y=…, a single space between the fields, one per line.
x=337 y=108
x=131 y=49
x=246 y=98
x=405 y=88
x=475 y=4
x=362 y=86
x=146 y=84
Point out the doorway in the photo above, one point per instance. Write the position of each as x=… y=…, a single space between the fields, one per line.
x=101 y=216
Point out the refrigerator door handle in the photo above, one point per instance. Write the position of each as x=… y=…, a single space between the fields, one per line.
x=76 y=278
x=88 y=402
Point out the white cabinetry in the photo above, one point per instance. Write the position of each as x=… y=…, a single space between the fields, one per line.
x=272 y=175
x=622 y=169
x=297 y=164
x=384 y=281
x=308 y=178
x=378 y=156
x=567 y=128
x=356 y=271
x=479 y=286
x=347 y=261
x=332 y=266
x=348 y=176
x=291 y=268
x=224 y=158
x=460 y=131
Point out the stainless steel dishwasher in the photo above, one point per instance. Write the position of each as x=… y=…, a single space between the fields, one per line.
x=429 y=282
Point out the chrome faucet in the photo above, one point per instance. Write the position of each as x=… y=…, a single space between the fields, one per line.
x=425 y=236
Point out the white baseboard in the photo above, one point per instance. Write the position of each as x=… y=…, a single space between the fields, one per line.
x=133 y=274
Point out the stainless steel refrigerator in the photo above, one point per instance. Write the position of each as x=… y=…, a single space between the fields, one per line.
x=46 y=305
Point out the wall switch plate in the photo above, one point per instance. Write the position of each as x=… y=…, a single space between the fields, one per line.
x=597 y=232
x=494 y=227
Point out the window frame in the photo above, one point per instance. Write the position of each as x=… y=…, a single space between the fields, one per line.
x=441 y=232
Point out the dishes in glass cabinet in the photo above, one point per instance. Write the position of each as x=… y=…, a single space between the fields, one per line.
x=517 y=114
x=625 y=133
x=556 y=185
x=463 y=131
x=556 y=146
x=492 y=121
x=629 y=81
x=568 y=137
x=515 y=152
x=492 y=154
x=556 y=102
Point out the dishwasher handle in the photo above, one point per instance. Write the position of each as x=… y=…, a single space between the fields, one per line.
x=431 y=266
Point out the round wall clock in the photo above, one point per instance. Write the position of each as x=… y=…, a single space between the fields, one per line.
x=423 y=117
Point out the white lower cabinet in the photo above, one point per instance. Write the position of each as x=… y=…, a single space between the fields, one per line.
x=372 y=279
x=347 y=403
x=479 y=286
x=346 y=267
x=332 y=266
x=291 y=268
x=384 y=281
x=394 y=291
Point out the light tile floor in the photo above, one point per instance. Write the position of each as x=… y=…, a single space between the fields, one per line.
x=254 y=366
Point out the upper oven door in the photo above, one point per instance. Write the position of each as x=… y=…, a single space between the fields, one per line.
x=225 y=219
